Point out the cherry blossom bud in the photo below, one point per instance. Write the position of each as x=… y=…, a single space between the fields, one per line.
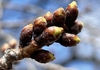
x=76 y=28
x=71 y=13
x=59 y=17
x=48 y=16
x=40 y=25
x=49 y=35
x=12 y=43
x=69 y=40
x=42 y=56
x=26 y=35
x=4 y=47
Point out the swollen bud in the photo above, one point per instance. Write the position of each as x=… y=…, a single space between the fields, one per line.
x=71 y=13
x=40 y=25
x=4 y=47
x=69 y=40
x=48 y=16
x=59 y=17
x=26 y=35
x=42 y=56
x=76 y=28
x=49 y=35
x=12 y=43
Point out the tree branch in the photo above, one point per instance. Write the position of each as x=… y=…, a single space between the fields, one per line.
x=12 y=55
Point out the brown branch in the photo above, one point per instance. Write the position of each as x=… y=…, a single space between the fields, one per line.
x=12 y=55
x=32 y=47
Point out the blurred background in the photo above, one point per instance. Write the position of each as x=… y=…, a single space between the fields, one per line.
x=15 y=14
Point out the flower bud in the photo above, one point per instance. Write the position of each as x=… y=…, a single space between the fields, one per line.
x=76 y=28
x=26 y=35
x=42 y=56
x=4 y=47
x=71 y=13
x=59 y=17
x=12 y=43
x=48 y=16
x=40 y=25
x=49 y=35
x=69 y=40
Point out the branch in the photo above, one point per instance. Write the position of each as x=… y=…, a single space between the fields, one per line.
x=12 y=55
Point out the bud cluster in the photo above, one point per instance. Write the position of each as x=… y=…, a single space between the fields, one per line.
x=61 y=27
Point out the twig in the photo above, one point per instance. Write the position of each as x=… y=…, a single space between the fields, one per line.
x=12 y=55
